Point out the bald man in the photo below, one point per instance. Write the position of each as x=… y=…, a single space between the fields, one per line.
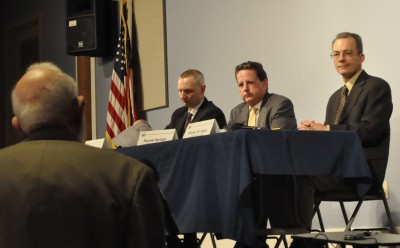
x=57 y=192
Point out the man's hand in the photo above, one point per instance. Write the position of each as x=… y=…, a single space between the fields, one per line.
x=312 y=125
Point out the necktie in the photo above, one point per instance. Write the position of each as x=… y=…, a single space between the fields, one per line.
x=188 y=121
x=343 y=96
x=252 y=122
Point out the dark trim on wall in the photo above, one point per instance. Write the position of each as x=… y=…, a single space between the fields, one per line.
x=84 y=89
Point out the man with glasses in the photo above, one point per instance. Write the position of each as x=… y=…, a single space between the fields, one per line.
x=363 y=103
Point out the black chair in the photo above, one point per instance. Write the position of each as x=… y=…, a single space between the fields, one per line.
x=278 y=194
x=212 y=236
x=375 y=194
x=280 y=234
x=173 y=239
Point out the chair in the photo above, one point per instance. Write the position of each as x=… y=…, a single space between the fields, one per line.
x=279 y=234
x=342 y=197
x=212 y=236
x=267 y=189
x=173 y=240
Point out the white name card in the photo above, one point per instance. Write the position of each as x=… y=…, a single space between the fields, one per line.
x=95 y=143
x=149 y=137
x=201 y=128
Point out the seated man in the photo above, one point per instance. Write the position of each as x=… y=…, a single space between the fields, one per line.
x=56 y=191
x=261 y=109
x=363 y=104
x=191 y=88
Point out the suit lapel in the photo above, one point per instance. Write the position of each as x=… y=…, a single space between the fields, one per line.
x=244 y=114
x=180 y=122
x=354 y=94
x=198 y=117
x=200 y=112
x=263 y=110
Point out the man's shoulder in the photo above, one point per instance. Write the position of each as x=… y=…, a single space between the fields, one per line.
x=276 y=99
x=71 y=157
x=63 y=148
x=209 y=105
x=105 y=155
x=374 y=80
x=180 y=110
x=371 y=84
x=279 y=97
x=239 y=107
x=178 y=113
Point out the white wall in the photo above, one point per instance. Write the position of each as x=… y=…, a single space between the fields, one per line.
x=292 y=39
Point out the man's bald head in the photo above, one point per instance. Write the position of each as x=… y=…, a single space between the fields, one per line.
x=45 y=97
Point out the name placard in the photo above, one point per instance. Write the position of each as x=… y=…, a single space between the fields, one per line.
x=95 y=143
x=201 y=128
x=149 y=137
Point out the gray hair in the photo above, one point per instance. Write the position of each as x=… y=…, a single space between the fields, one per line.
x=196 y=74
x=52 y=102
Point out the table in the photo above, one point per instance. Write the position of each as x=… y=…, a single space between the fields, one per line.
x=205 y=179
x=372 y=239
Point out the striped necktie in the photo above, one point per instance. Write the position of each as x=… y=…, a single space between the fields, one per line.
x=343 y=96
x=188 y=121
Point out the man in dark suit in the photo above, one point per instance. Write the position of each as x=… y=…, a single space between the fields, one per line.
x=367 y=109
x=191 y=88
x=56 y=191
x=261 y=109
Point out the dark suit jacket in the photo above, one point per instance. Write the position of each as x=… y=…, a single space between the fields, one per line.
x=367 y=111
x=206 y=111
x=276 y=112
x=57 y=192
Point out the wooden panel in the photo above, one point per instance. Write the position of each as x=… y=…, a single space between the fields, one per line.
x=22 y=46
x=84 y=89
x=150 y=22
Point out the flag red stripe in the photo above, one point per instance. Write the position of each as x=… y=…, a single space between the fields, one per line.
x=120 y=108
x=116 y=118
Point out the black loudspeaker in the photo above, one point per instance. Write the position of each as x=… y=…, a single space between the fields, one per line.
x=88 y=27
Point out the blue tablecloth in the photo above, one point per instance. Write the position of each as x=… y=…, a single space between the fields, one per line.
x=205 y=179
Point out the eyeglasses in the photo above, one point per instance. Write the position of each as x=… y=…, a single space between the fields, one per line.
x=345 y=54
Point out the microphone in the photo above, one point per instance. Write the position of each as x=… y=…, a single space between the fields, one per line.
x=236 y=126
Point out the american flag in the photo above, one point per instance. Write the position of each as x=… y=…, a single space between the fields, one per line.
x=121 y=109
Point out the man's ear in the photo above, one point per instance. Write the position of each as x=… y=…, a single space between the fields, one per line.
x=203 y=88
x=77 y=127
x=78 y=106
x=16 y=125
x=362 y=57
x=81 y=103
x=265 y=84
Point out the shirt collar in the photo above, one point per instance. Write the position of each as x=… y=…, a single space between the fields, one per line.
x=258 y=106
x=52 y=133
x=349 y=84
x=194 y=110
